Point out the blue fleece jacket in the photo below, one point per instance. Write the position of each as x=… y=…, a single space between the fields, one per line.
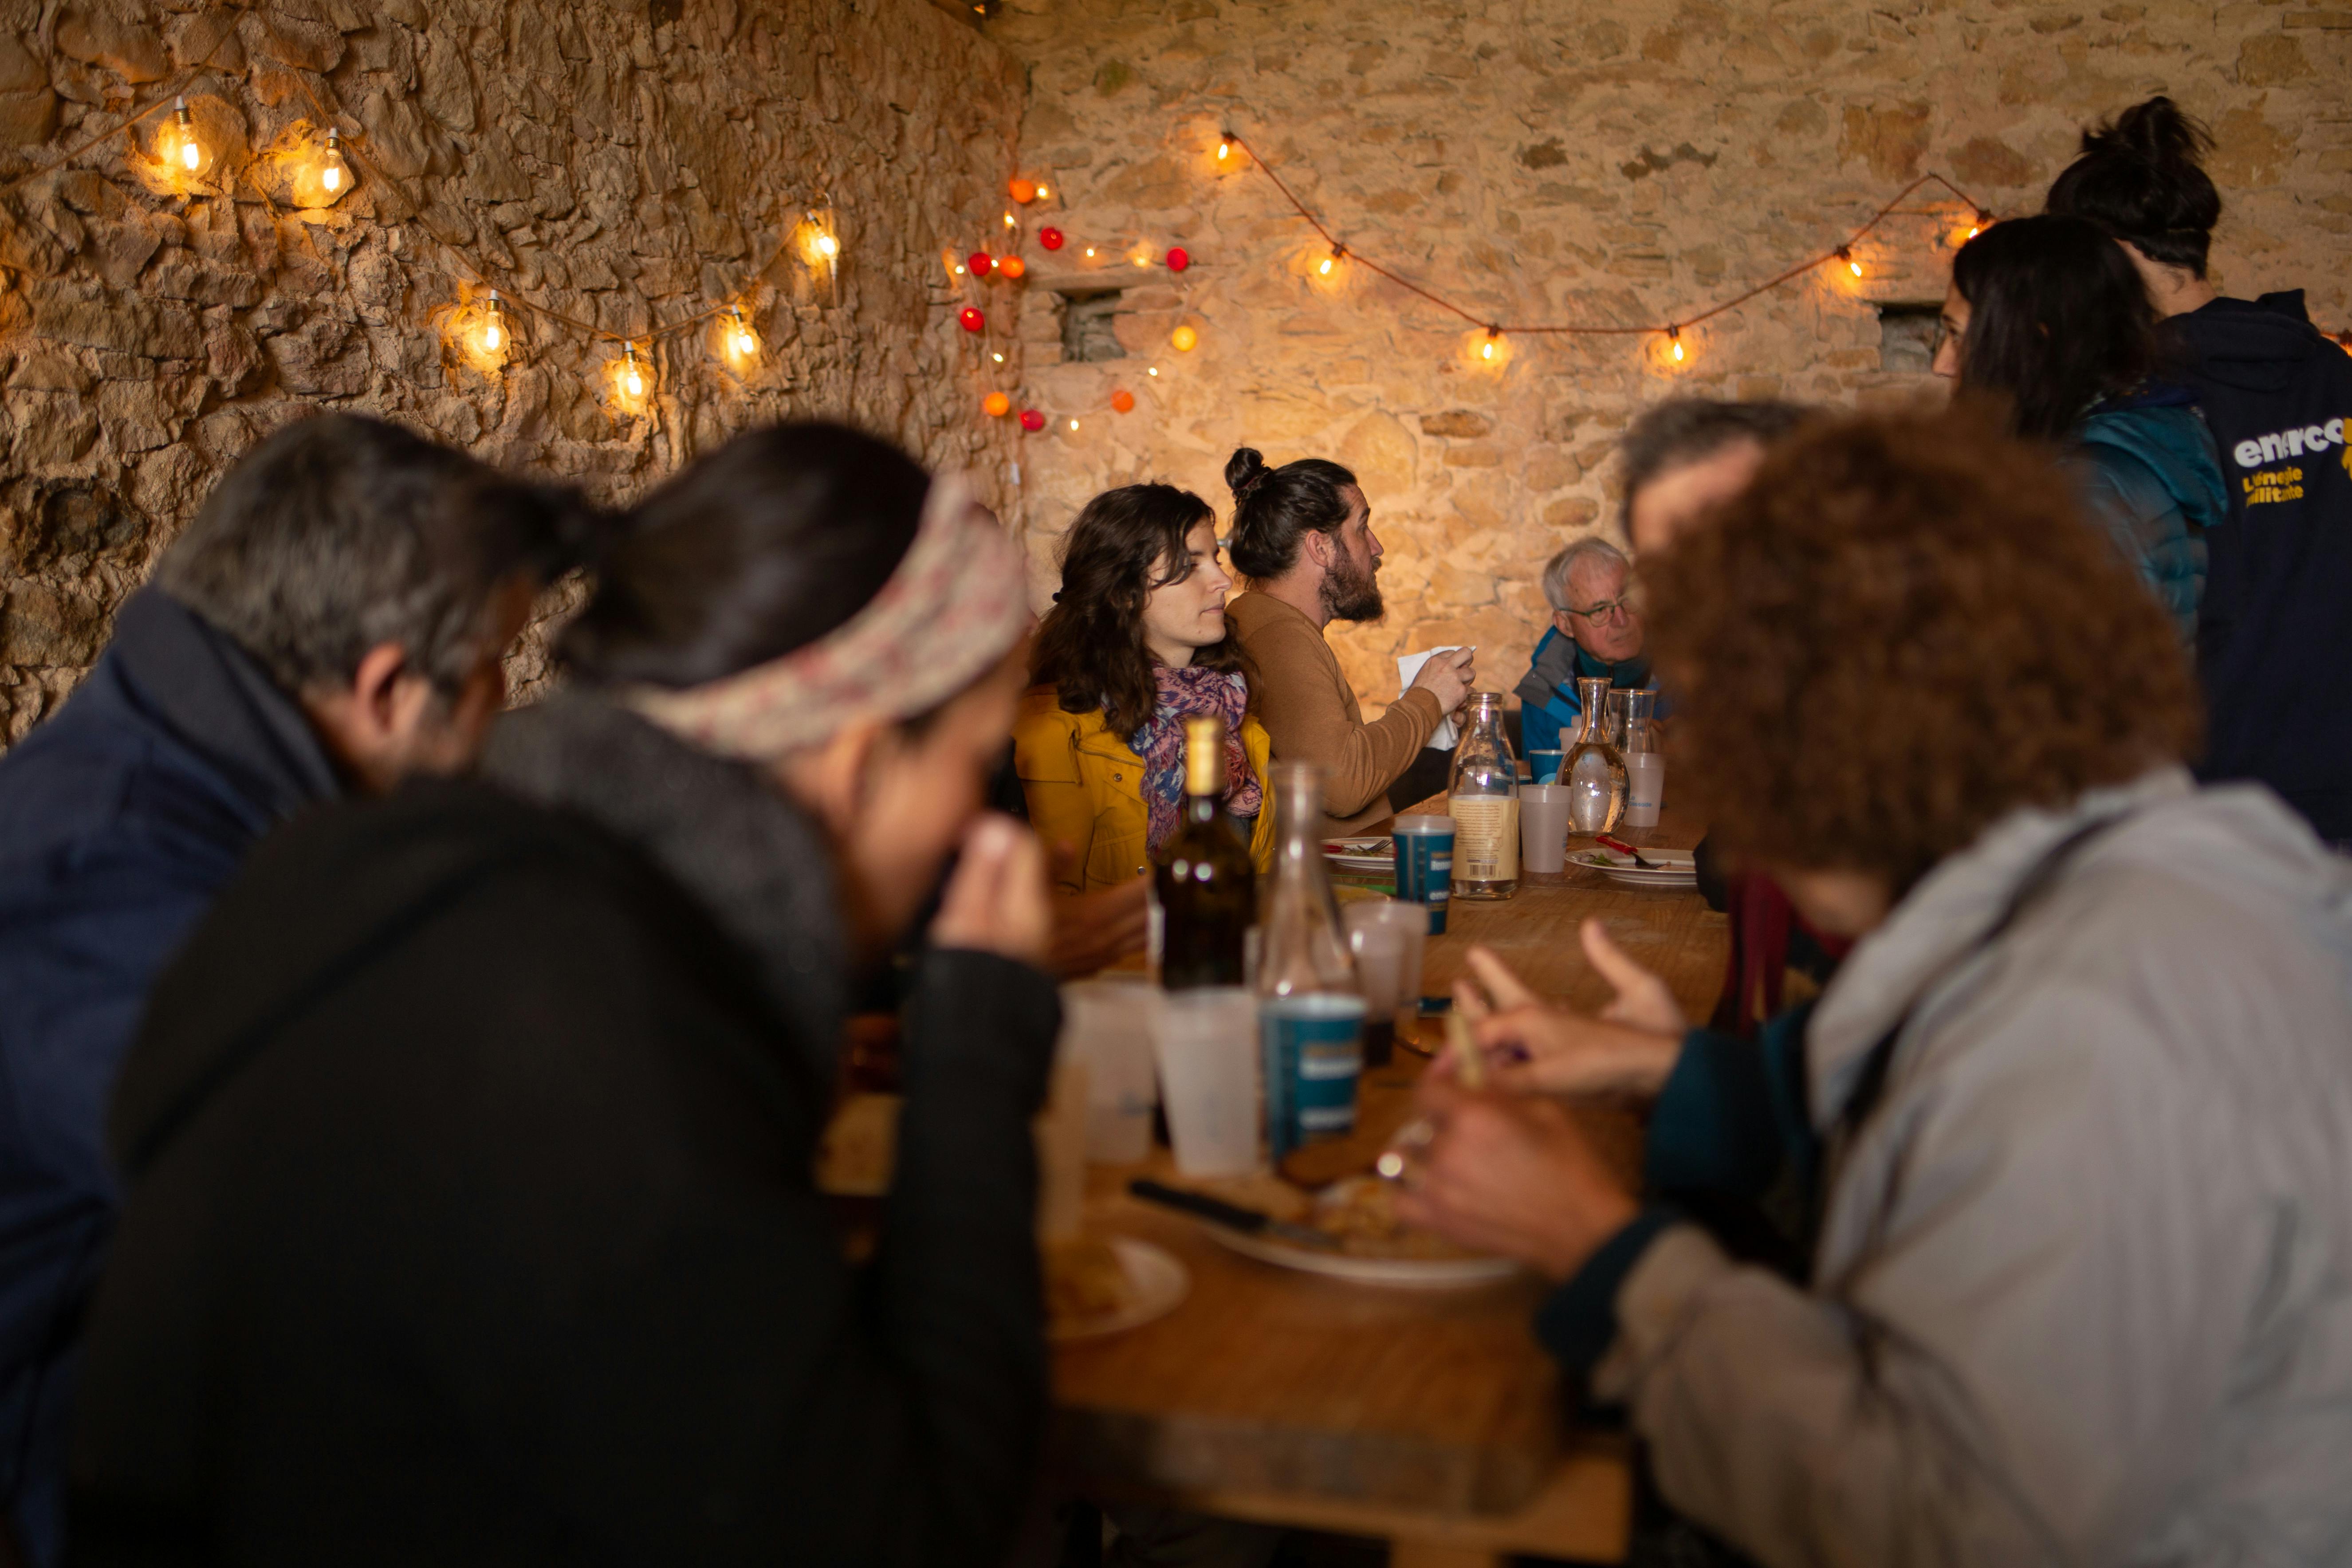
x=1549 y=705
x=120 y=818
x=2152 y=477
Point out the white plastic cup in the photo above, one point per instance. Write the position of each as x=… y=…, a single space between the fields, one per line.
x=1390 y=974
x=1110 y=1026
x=1645 y=788
x=1209 y=1078
x=1543 y=826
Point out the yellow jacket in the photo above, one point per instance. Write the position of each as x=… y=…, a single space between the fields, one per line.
x=1084 y=789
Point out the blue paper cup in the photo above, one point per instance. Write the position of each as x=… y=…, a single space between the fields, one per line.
x=1314 y=1047
x=1545 y=765
x=1425 y=865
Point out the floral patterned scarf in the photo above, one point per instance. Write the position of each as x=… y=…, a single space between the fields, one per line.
x=1185 y=693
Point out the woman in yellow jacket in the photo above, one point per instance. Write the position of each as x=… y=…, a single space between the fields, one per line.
x=1136 y=643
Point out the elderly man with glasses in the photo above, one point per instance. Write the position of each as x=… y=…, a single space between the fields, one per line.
x=1595 y=632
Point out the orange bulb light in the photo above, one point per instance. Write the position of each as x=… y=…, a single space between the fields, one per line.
x=1023 y=192
x=997 y=405
x=1123 y=401
x=1185 y=338
x=1013 y=266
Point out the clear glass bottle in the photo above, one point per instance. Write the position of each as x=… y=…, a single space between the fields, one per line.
x=1206 y=886
x=1312 y=1012
x=1484 y=801
x=1594 y=769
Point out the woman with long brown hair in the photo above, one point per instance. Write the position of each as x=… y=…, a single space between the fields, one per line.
x=1137 y=641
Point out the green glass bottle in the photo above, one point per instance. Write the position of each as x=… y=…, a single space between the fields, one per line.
x=1207 y=887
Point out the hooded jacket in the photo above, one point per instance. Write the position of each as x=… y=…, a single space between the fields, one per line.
x=120 y=819
x=2274 y=637
x=1549 y=704
x=2152 y=478
x=470 y=1215
x=2082 y=1290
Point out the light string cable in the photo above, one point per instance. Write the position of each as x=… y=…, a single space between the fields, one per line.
x=1669 y=329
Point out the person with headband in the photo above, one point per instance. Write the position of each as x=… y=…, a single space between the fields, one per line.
x=2273 y=642
x=468 y=1144
x=1302 y=534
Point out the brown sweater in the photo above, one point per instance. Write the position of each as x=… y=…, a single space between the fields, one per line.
x=1310 y=710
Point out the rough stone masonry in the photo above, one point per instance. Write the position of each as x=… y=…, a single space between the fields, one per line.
x=1573 y=161
x=623 y=163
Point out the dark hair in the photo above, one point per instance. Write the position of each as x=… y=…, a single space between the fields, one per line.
x=1272 y=507
x=341 y=533
x=762 y=547
x=2057 y=320
x=1685 y=430
x=1090 y=644
x=1901 y=632
x=2140 y=177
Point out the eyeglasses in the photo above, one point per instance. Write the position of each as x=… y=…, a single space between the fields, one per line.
x=1607 y=610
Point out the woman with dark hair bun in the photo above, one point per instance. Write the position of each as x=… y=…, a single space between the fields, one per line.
x=2046 y=320
x=2277 y=392
x=1302 y=534
x=508 y=1093
x=1137 y=642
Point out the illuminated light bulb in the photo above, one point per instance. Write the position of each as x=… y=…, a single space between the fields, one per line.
x=633 y=378
x=981 y=263
x=1042 y=191
x=1851 y=264
x=1051 y=238
x=332 y=175
x=1153 y=370
x=1008 y=221
x=1185 y=338
x=1224 y=150
x=1021 y=191
x=958 y=271
x=827 y=246
x=1674 y=343
x=1032 y=420
x=998 y=358
x=1013 y=266
x=1179 y=258
x=1324 y=268
x=1487 y=351
x=1074 y=424
x=738 y=335
x=997 y=405
x=1090 y=250
x=970 y=319
x=180 y=145
x=1123 y=401
x=494 y=326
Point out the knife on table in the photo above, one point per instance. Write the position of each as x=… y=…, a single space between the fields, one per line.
x=1233 y=1217
x=1623 y=848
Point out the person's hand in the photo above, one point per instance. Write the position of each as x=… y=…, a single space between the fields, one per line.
x=1643 y=1000
x=1512 y=1176
x=996 y=902
x=1447 y=677
x=1534 y=1047
x=1094 y=931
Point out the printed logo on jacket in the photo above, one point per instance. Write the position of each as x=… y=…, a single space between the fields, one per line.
x=2284 y=483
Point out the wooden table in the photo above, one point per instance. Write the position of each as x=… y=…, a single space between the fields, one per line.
x=1430 y=1418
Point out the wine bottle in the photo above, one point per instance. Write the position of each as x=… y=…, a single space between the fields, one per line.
x=1207 y=885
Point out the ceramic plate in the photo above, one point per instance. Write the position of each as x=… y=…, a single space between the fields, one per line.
x=1677 y=870
x=1155 y=1282
x=1403 y=1273
x=1360 y=855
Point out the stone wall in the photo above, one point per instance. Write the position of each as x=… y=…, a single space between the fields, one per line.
x=622 y=162
x=1571 y=161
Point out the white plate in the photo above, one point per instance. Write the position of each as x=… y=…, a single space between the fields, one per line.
x=1369 y=854
x=1155 y=1282
x=1403 y=1273
x=1677 y=869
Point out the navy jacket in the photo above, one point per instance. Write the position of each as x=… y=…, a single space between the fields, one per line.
x=120 y=818
x=2274 y=639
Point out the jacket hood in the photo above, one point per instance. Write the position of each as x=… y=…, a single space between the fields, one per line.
x=1559 y=659
x=761 y=869
x=2172 y=441
x=2216 y=838
x=2263 y=345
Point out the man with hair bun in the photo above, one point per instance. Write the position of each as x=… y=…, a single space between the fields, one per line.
x=1302 y=534
x=2275 y=646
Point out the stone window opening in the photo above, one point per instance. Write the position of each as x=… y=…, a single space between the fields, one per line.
x=1906 y=335
x=1089 y=329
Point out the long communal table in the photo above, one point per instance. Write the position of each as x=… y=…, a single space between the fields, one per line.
x=1430 y=1419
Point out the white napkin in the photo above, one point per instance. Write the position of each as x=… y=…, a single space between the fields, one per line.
x=1409 y=666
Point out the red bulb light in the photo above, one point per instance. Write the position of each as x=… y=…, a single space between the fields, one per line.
x=1050 y=238
x=970 y=319
x=1032 y=420
x=981 y=263
x=1177 y=259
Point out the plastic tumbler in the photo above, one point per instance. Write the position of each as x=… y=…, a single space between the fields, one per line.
x=1109 y=1025
x=1208 y=1079
x=1545 y=765
x=1425 y=865
x=1388 y=938
x=1645 y=788
x=1543 y=826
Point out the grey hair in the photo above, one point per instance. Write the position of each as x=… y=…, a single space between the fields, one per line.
x=341 y=533
x=1591 y=547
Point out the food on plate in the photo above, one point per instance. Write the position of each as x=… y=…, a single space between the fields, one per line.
x=1360 y=1214
x=1084 y=1280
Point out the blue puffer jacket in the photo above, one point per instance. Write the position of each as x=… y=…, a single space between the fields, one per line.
x=2152 y=476
x=120 y=819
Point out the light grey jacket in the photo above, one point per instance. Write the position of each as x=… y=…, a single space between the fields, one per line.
x=2083 y=1291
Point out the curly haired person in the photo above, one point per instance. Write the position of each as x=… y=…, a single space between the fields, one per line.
x=2069 y=1123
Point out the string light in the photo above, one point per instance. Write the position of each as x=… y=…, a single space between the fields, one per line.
x=333 y=174
x=1674 y=343
x=1051 y=238
x=997 y=405
x=827 y=246
x=1185 y=338
x=1486 y=349
x=1042 y=192
x=1090 y=252
x=1032 y=420
x=1074 y=424
x=633 y=379
x=1123 y=401
x=1013 y=266
x=1179 y=258
x=981 y=263
x=1153 y=370
x=1022 y=191
x=179 y=146
x=1224 y=146
x=742 y=344
x=1009 y=221
x=970 y=319
x=1846 y=256
x=1339 y=252
x=494 y=326
x=997 y=357
x=1984 y=222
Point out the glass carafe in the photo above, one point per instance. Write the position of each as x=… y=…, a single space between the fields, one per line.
x=1310 y=1012
x=1594 y=770
x=1484 y=801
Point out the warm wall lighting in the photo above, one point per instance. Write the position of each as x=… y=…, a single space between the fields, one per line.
x=633 y=374
x=323 y=177
x=180 y=147
x=1074 y=424
x=1224 y=150
x=630 y=379
x=1185 y=338
x=1013 y=266
x=1675 y=344
x=1022 y=191
x=479 y=333
x=997 y=405
x=736 y=338
x=1042 y=192
x=1009 y=221
x=1123 y=401
x=494 y=326
x=1852 y=266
